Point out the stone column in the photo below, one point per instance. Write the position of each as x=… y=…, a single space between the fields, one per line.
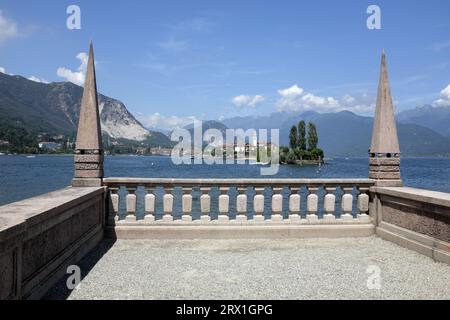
x=384 y=162
x=89 y=149
x=312 y=204
x=224 y=204
x=205 y=204
x=329 y=204
x=114 y=209
x=241 y=204
x=131 y=204
x=277 y=204
x=186 y=201
x=150 y=205
x=258 y=205
x=294 y=204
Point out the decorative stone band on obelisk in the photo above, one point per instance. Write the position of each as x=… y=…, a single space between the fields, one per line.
x=89 y=150
x=384 y=163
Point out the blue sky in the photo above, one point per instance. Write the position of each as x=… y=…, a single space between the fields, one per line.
x=169 y=61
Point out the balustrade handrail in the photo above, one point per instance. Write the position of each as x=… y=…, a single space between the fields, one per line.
x=210 y=182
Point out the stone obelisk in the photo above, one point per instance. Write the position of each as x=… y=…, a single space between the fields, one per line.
x=384 y=162
x=89 y=149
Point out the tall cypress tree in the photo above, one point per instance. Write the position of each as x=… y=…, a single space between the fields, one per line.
x=313 y=139
x=293 y=137
x=302 y=135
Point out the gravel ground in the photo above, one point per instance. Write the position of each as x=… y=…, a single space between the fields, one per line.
x=256 y=269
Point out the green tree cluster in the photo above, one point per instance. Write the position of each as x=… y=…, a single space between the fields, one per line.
x=302 y=147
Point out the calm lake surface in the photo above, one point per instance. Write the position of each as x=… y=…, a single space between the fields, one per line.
x=22 y=177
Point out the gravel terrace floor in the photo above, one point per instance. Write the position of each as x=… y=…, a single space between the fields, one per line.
x=256 y=269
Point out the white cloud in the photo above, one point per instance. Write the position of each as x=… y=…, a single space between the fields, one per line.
x=76 y=77
x=245 y=100
x=444 y=100
x=2 y=70
x=348 y=99
x=36 y=79
x=291 y=92
x=159 y=121
x=8 y=28
x=296 y=98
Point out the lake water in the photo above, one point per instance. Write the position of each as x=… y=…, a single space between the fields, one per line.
x=22 y=177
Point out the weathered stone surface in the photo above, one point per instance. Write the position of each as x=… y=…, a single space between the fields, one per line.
x=205 y=203
x=86 y=182
x=384 y=175
x=114 y=197
x=168 y=203
x=51 y=232
x=347 y=203
x=88 y=173
x=89 y=153
x=87 y=166
x=417 y=216
x=7 y=283
x=385 y=168
x=294 y=203
x=277 y=203
x=97 y=158
x=384 y=161
x=312 y=203
x=89 y=130
x=241 y=203
x=329 y=203
x=149 y=203
x=186 y=200
x=258 y=203
x=384 y=134
x=363 y=203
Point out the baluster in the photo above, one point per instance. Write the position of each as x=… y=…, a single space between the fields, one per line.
x=329 y=204
x=347 y=203
x=149 y=205
x=277 y=204
x=258 y=204
x=205 y=204
x=363 y=203
x=168 y=204
x=114 y=208
x=312 y=203
x=131 y=204
x=294 y=204
x=187 y=204
x=241 y=204
x=224 y=204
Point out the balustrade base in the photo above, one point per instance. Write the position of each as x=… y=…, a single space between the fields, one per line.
x=234 y=231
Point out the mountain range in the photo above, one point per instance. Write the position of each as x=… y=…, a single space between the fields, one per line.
x=54 y=109
x=347 y=134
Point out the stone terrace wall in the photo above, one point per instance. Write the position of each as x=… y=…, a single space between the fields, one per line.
x=41 y=236
x=414 y=218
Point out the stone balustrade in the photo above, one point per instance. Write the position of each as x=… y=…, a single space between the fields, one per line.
x=313 y=201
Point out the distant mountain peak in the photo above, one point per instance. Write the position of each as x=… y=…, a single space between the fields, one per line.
x=55 y=107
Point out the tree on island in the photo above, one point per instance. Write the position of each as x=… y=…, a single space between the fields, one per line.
x=293 y=137
x=313 y=138
x=302 y=135
x=300 y=147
